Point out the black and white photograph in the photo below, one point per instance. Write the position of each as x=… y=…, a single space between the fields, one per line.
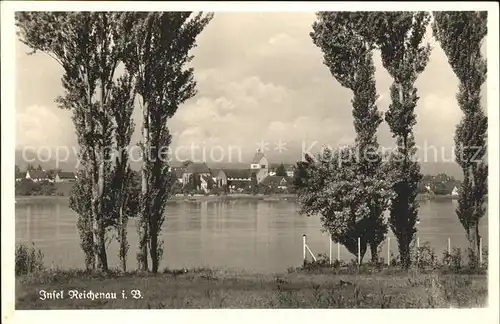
x=202 y=158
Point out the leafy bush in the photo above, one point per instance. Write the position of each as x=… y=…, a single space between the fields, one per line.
x=456 y=258
x=322 y=261
x=426 y=258
x=394 y=259
x=484 y=264
x=453 y=260
x=28 y=259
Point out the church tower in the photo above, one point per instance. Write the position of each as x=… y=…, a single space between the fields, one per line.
x=260 y=166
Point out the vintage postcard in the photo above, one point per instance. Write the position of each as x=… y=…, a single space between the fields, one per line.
x=303 y=156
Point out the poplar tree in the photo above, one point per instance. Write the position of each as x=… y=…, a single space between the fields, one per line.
x=123 y=189
x=461 y=35
x=347 y=43
x=404 y=56
x=160 y=44
x=89 y=47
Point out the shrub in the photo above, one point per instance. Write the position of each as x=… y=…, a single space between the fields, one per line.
x=394 y=260
x=456 y=259
x=453 y=260
x=426 y=258
x=338 y=264
x=28 y=259
x=25 y=187
x=484 y=264
x=322 y=261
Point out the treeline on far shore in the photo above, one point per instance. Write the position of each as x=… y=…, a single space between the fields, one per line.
x=27 y=187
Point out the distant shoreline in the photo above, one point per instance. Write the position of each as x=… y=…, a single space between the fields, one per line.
x=195 y=198
x=200 y=198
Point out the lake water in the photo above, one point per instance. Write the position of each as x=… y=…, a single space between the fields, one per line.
x=260 y=236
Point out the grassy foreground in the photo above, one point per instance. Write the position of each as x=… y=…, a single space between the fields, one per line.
x=206 y=288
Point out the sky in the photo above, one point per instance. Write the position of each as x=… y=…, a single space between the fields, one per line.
x=261 y=84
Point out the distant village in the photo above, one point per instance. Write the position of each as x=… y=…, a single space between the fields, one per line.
x=190 y=177
x=267 y=178
x=260 y=177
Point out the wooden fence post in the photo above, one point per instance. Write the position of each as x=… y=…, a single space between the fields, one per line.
x=388 y=251
x=304 y=248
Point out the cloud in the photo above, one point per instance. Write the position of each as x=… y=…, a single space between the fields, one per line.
x=259 y=77
x=39 y=126
x=246 y=111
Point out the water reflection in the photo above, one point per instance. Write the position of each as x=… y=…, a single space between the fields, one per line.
x=258 y=235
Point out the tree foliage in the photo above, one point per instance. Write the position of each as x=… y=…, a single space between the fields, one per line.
x=347 y=42
x=399 y=36
x=27 y=187
x=280 y=170
x=461 y=35
x=333 y=188
x=299 y=179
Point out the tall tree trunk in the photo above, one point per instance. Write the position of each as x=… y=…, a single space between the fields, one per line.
x=122 y=218
x=89 y=248
x=473 y=238
x=405 y=255
x=101 y=176
x=123 y=240
x=374 y=252
x=154 y=247
x=362 y=252
x=145 y=211
x=103 y=262
x=95 y=225
x=478 y=239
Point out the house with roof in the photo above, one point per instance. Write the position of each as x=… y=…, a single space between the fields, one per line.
x=278 y=182
x=452 y=187
x=37 y=175
x=234 y=178
x=206 y=183
x=65 y=177
x=195 y=168
x=215 y=173
x=242 y=178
